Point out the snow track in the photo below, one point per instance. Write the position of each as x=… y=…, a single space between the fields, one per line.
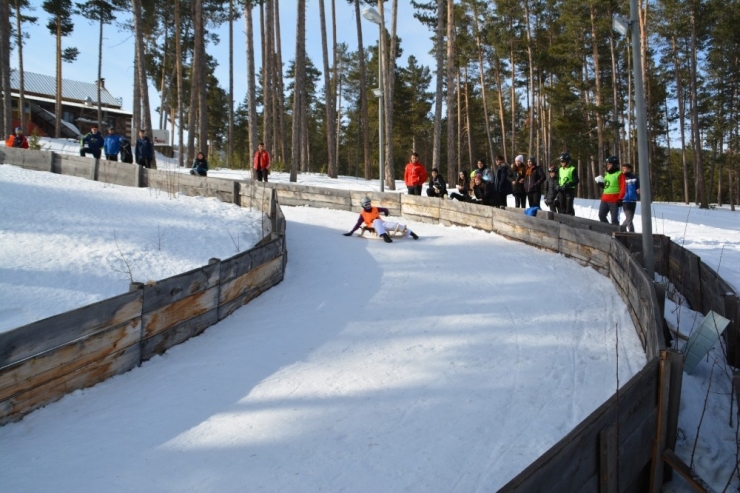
x=446 y=364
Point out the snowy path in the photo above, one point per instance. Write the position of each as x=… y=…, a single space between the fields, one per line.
x=444 y=364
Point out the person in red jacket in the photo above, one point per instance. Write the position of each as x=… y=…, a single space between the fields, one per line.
x=261 y=162
x=18 y=140
x=415 y=175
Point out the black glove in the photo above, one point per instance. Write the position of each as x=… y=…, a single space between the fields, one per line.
x=347 y=234
x=619 y=203
x=386 y=213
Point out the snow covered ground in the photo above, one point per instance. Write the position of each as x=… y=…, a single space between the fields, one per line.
x=445 y=364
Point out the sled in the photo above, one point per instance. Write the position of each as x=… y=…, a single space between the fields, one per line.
x=371 y=233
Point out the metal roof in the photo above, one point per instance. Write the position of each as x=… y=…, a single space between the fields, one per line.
x=71 y=89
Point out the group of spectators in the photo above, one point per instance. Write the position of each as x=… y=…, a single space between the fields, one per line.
x=528 y=182
x=115 y=145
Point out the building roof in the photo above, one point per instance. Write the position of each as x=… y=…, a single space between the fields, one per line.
x=71 y=89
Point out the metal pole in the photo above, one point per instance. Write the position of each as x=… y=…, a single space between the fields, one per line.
x=380 y=107
x=642 y=145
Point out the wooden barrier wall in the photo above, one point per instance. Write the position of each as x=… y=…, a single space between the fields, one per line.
x=42 y=361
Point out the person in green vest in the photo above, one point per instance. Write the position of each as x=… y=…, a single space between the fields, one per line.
x=614 y=186
x=567 y=181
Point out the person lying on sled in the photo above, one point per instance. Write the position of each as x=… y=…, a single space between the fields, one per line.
x=371 y=217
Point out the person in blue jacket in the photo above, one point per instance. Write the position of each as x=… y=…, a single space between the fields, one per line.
x=92 y=143
x=631 y=196
x=144 y=151
x=112 y=145
x=200 y=165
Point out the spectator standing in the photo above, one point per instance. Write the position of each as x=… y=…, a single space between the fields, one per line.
x=144 y=152
x=534 y=178
x=17 y=139
x=415 y=175
x=127 y=156
x=463 y=188
x=92 y=143
x=502 y=185
x=437 y=185
x=261 y=162
x=517 y=182
x=567 y=181
x=631 y=196
x=200 y=165
x=614 y=190
x=551 y=189
x=112 y=145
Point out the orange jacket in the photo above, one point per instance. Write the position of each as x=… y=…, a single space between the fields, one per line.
x=18 y=141
x=261 y=160
x=415 y=174
x=370 y=216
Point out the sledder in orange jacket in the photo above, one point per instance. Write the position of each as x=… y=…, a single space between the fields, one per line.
x=371 y=217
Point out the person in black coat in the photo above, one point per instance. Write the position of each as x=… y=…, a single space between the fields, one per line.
x=92 y=143
x=534 y=178
x=551 y=189
x=200 y=165
x=144 y=151
x=463 y=188
x=437 y=186
x=502 y=184
x=126 y=154
x=484 y=192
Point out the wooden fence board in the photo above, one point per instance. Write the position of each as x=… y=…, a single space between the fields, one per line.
x=573 y=461
x=27 y=158
x=713 y=290
x=117 y=173
x=174 y=313
x=422 y=209
x=81 y=167
x=586 y=224
x=119 y=362
x=177 y=287
x=29 y=373
x=159 y=342
x=543 y=234
x=269 y=276
x=253 y=280
x=683 y=272
x=38 y=337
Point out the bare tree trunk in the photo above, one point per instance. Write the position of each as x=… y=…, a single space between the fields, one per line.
x=437 y=144
x=597 y=81
x=21 y=75
x=701 y=198
x=501 y=109
x=230 y=131
x=459 y=126
x=6 y=126
x=513 y=89
x=681 y=118
x=194 y=84
x=388 y=97
x=136 y=113
x=467 y=124
x=668 y=146
x=279 y=89
x=531 y=78
x=180 y=109
x=267 y=37
x=451 y=154
x=615 y=100
x=364 y=121
x=58 y=101
x=329 y=98
x=251 y=85
x=141 y=72
x=482 y=83
x=299 y=84
x=200 y=44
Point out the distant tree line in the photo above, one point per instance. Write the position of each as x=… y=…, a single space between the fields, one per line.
x=529 y=77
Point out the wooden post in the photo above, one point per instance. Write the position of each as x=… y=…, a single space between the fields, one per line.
x=674 y=402
x=684 y=470
x=237 y=190
x=608 y=452
x=656 y=468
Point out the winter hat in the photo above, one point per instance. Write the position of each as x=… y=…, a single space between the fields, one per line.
x=519 y=159
x=18 y=129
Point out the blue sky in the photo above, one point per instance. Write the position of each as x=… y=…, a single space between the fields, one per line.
x=39 y=50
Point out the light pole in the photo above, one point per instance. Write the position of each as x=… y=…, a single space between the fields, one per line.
x=373 y=16
x=622 y=26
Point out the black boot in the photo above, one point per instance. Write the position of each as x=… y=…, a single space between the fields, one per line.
x=414 y=235
x=386 y=238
